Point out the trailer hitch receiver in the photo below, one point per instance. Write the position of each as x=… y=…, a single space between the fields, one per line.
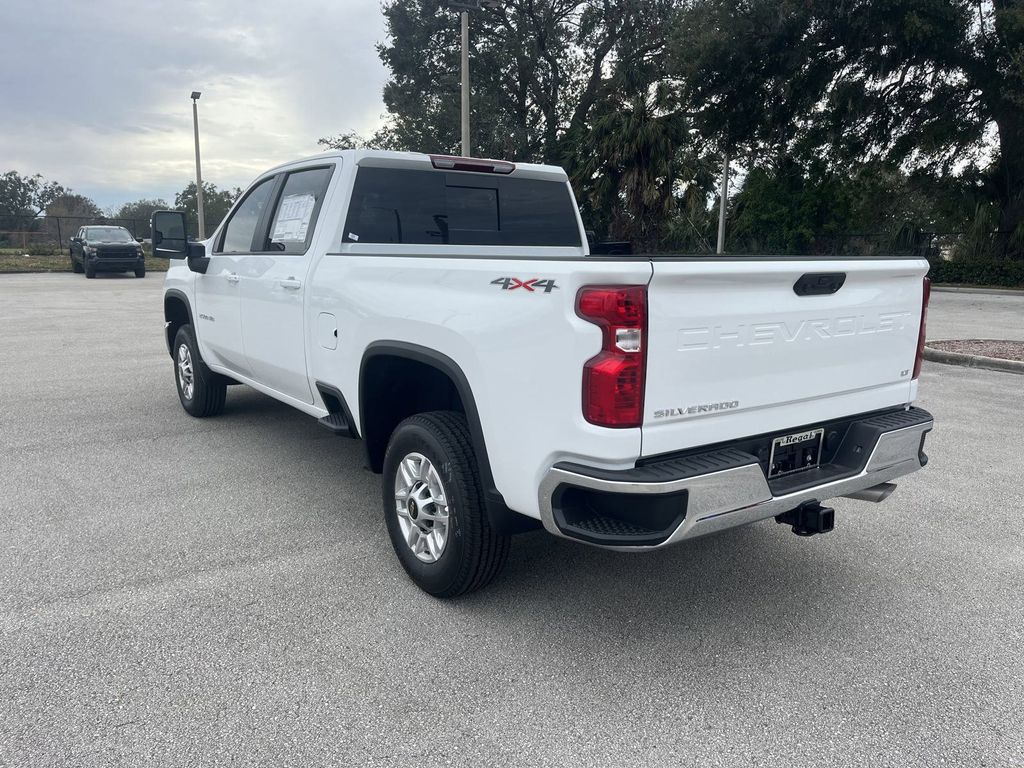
x=809 y=519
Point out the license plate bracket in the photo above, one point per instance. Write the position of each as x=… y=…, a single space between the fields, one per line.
x=795 y=453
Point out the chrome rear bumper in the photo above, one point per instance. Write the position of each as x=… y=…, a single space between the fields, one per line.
x=726 y=498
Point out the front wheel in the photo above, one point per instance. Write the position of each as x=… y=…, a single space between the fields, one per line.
x=433 y=506
x=90 y=271
x=201 y=391
x=140 y=271
x=76 y=266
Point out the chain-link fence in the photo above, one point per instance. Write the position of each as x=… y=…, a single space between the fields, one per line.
x=51 y=233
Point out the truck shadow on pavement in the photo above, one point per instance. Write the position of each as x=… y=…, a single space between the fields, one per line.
x=757 y=581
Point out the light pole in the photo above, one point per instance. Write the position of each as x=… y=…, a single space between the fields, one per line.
x=466 y=151
x=723 y=198
x=199 y=167
x=465 y=6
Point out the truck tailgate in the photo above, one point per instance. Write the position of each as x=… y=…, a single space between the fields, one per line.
x=734 y=349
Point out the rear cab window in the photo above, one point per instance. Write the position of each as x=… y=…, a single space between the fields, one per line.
x=432 y=207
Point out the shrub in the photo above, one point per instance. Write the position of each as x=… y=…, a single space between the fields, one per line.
x=1003 y=272
x=42 y=249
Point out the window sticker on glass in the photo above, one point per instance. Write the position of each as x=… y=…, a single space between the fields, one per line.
x=293 y=218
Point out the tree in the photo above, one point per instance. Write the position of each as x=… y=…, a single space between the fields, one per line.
x=67 y=212
x=25 y=196
x=542 y=72
x=216 y=204
x=538 y=69
x=71 y=205
x=136 y=215
x=849 y=115
x=794 y=208
x=353 y=140
x=912 y=84
x=640 y=165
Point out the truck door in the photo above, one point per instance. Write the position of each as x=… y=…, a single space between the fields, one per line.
x=218 y=301
x=274 y=289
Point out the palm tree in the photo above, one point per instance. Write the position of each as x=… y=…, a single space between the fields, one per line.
x=639 y=157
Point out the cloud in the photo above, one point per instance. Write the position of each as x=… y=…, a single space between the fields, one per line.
x=96 y=95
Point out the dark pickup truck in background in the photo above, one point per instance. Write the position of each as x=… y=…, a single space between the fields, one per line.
x=106 y=249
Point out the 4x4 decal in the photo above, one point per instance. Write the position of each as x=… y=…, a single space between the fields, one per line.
x=531 y=285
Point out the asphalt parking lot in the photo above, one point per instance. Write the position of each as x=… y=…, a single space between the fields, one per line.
x=968 y=315
x=217 y=592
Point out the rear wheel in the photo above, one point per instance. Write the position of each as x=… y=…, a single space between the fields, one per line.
x=433 y=506
x=201 y=391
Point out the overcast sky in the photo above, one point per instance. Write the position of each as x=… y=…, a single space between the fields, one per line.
x=95 y=94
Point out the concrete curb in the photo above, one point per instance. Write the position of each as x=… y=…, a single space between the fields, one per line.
x=989 y=291
x=973 y=361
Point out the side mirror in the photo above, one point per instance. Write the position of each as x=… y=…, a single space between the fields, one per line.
x=138 y=239
x=170 y=240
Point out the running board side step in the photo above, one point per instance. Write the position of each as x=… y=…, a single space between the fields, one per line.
x=339 y=418
x=337 y=423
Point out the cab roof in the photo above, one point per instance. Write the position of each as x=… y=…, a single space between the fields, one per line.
x=418 y=161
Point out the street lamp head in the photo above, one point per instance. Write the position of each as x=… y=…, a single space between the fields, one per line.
x=195 y=95
x=471 y=5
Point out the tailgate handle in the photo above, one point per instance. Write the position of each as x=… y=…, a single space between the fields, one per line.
x=819 y=283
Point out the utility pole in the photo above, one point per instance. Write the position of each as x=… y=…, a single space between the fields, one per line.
x=723 y=196
x=465 y=6
x=199 y=168
x=466 y=151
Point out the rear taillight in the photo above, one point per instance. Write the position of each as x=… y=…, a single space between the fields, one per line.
x=613 y=380
x=925 y=296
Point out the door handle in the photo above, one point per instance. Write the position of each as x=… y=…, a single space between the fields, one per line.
x=291 y=283
x=231 y=277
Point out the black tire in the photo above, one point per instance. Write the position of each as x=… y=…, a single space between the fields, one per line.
x=140 y=271
x=473 y=553
x=76 y=267
x=90 y=271
x=208 y=389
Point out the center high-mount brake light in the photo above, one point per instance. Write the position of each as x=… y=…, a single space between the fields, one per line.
x=613 y=380
x=449 y=163
x=926 y=293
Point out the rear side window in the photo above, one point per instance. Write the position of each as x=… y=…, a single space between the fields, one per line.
x=396 y=205
x=241 y=228
x=297 y=210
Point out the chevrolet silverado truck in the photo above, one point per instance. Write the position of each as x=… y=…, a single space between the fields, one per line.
x=106 y=249
x=446 y=311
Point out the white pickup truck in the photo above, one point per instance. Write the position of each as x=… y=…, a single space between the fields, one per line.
x=446 y=311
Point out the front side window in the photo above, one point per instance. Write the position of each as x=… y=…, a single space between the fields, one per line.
x=397 y=205
x=297 y=210
x=241 y=228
